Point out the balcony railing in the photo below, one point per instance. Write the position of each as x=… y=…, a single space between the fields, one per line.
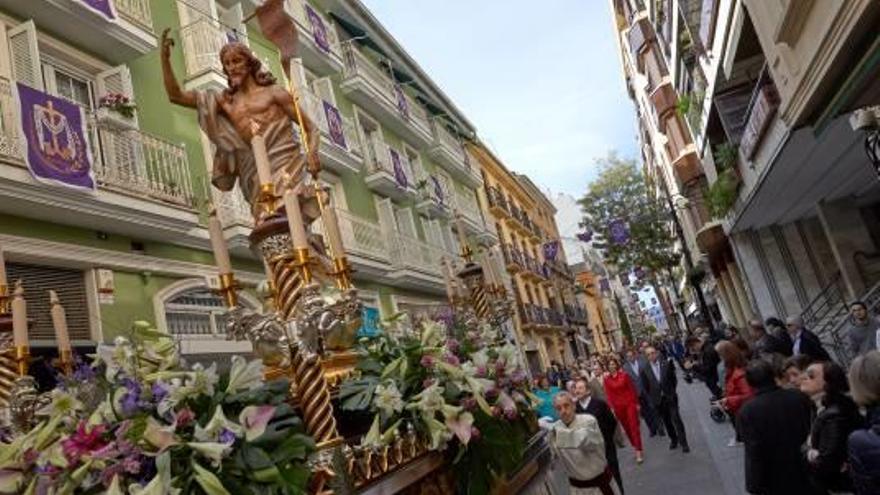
x=411 y=253
x=362 y=237
x=496 y=199
x=469 y=207
x=232 y=208
x=202 y=41
x=357 y=64
x=136 y=12
x=512 y=255
x=10 y=145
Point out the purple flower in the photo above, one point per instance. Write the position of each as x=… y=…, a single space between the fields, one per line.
x=83 y=372
x=130 y=402
x=159 y=391
x=481 y=371
x=453 y=345
x=469 y=403
x=491 y=394
x=226 y=436
x=427 y=361
x=132 y=464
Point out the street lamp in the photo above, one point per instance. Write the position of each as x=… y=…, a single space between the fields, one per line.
x=689 y=264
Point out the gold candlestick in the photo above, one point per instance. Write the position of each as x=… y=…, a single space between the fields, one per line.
x=229 y=289
x=301 y=260
x=4 y=299
x=22 y=359
x=342 y=273
x=266 y=199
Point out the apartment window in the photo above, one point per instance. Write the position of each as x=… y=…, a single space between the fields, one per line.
x=70 y=87
x=37 y=281
x=196 y=313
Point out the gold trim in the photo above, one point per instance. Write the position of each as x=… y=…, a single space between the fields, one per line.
x=342 y=273
x=65 y=361
x=5 y=300
x=22 y=359
x=229 y=289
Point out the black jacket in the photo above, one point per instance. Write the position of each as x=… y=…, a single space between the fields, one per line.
x=812 y=346
x=599 y=409
x=664 y=390
x=771 y=344
x=774 y=426
x=829 y=435
x=864 y=456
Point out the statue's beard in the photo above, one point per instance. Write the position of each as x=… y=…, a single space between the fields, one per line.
x=236 y=82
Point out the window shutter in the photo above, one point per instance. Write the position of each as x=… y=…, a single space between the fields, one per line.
x=71 y=288
x=323 y=88
x=115 y=80
x=194 y=10
x=5 y=68
x=385 y=211
x=25 y=55
x=406 y=222
x=707 y=23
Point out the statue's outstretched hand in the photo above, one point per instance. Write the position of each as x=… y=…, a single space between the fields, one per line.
x=167 y=42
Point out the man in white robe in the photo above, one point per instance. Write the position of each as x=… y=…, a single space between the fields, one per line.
x=578 y=447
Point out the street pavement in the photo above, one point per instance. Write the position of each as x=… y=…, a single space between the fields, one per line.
x=711 y=468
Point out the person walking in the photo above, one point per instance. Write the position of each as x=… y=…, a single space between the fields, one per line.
x=659 y=381
x=837 y=417
x=736 y=389
x=624 y=401
x=774 y=425
x=633 y=365
x=586 y=403
x=706 y=365
x=862 y=330
x=864 y=444
x=805 y=341
x=578 y=444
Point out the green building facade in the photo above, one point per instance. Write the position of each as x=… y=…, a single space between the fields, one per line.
x=138 y=247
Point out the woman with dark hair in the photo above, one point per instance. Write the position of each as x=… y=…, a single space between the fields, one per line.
x=545 y=393
x=776 y=328
x=864 y=444
x=795 y=369
x=837 y=416
x=736 y=390
x=623 y=398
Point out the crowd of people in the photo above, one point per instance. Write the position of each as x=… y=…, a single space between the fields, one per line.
x=806 y=425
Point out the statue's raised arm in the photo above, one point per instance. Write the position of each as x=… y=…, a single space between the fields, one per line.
x=175 y=94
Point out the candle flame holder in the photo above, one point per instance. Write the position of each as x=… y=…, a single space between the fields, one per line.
x=229 y=289
x=342 y=273
x=266 y=198
x=5 y=300
x=65 y=361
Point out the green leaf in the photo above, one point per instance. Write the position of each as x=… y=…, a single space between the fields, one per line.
x=294 y=447
x=357 y=395
x=208 y=481
x=256 y=458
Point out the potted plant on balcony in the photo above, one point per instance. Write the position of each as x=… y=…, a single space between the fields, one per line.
x=722 y=194
x=117 y=109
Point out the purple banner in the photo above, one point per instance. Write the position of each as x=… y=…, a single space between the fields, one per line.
x=402 y=104
x=334 y=125
x=551 y=249
x=399 y=173
x=438 y=190
x=54 y=131
x=639 y=272
x=584 y=236
x=319 y=30
x=104 y=8
x=619 y=231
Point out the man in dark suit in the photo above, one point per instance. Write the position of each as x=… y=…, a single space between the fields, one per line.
x=659 y=381
x=633 y=367
x=805 y=341
x=774 y=425
x=598 y=408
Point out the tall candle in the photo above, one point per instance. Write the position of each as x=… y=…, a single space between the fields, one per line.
x=19 y=317
x=59 y=321
x=459 y=226
x=488 y=275
x=447 y=278
x=261 y=156
x=2 y=268
x=331 y=227
x=218 y=244
x=295 y=220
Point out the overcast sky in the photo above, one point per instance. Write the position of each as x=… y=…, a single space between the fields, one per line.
x=541 y=81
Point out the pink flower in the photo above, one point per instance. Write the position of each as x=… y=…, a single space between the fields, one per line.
x=184 y=417
x=475 y=433
x=481 y=371
x=452 y=359
x=511 y=414
x=469 y=403
x=427 y=382
x=427 y=361
x=452 y=345
x=83 y=442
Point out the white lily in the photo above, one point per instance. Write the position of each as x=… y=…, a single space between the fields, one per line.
x=62 y=403
x=215 y=427
x=460 y=425
x=213 y=451
x=159 y=436
x=433 y=333
x=388 y=399
x=438 y=432
x=202 y=380
x=244 y=375
x=255 y=419
x=480 y=358
x=429 y=400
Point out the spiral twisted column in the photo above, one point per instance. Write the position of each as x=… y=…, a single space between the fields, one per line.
x=313 y=394
x=8 y=363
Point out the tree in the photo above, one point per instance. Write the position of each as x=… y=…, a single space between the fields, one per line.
x=619 y=195
x=625 y=327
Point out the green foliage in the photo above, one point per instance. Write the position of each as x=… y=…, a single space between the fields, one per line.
x=625 y=327
x=726 y=156
x=500 y=451
x=621 y=192
x=722 y=194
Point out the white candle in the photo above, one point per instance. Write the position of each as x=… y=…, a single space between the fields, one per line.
x=459 y=226
x=59 y=321
x=295 y=220
x=218 y=244
x=488 y=275
x=331 y=227
x=261 y=156
x=447 y=278
x=2 y=268
x=19 y=317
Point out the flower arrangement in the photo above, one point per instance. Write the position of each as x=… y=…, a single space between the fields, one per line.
x=459 y=385
x=119 y=103
x=138 y=421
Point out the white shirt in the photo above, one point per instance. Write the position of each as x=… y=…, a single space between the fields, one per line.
x=635 y=367
x=580 y=449
x=656 y=367
x=585 y=403
x=796 y=348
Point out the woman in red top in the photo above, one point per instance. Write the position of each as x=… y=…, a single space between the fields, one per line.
x=624 y=401
x=736 y=389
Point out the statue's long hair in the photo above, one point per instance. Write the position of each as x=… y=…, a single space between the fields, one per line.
x=261 y=75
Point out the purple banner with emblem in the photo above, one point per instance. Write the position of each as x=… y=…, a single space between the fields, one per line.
x=54 y=132
x=319 y=30
x=584 y=236
x=334 y=125
x=104 y=8
x=402 y=104
x=619 y=231
x=639 y=272
x=438 y=190
x=551 y=249
x=399 y=173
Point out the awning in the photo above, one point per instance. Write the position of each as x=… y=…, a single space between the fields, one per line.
x=358 y=34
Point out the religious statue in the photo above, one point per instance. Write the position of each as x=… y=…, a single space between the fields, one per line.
x=253 y=103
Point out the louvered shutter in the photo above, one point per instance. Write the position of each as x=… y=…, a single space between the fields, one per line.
x=707 y=22
x=71 y=288
x=385 y=210
x=25 y=55
x=406 y=222
x=5 y=68
x=115 y=80
x=433 y=233
x=323 y=88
